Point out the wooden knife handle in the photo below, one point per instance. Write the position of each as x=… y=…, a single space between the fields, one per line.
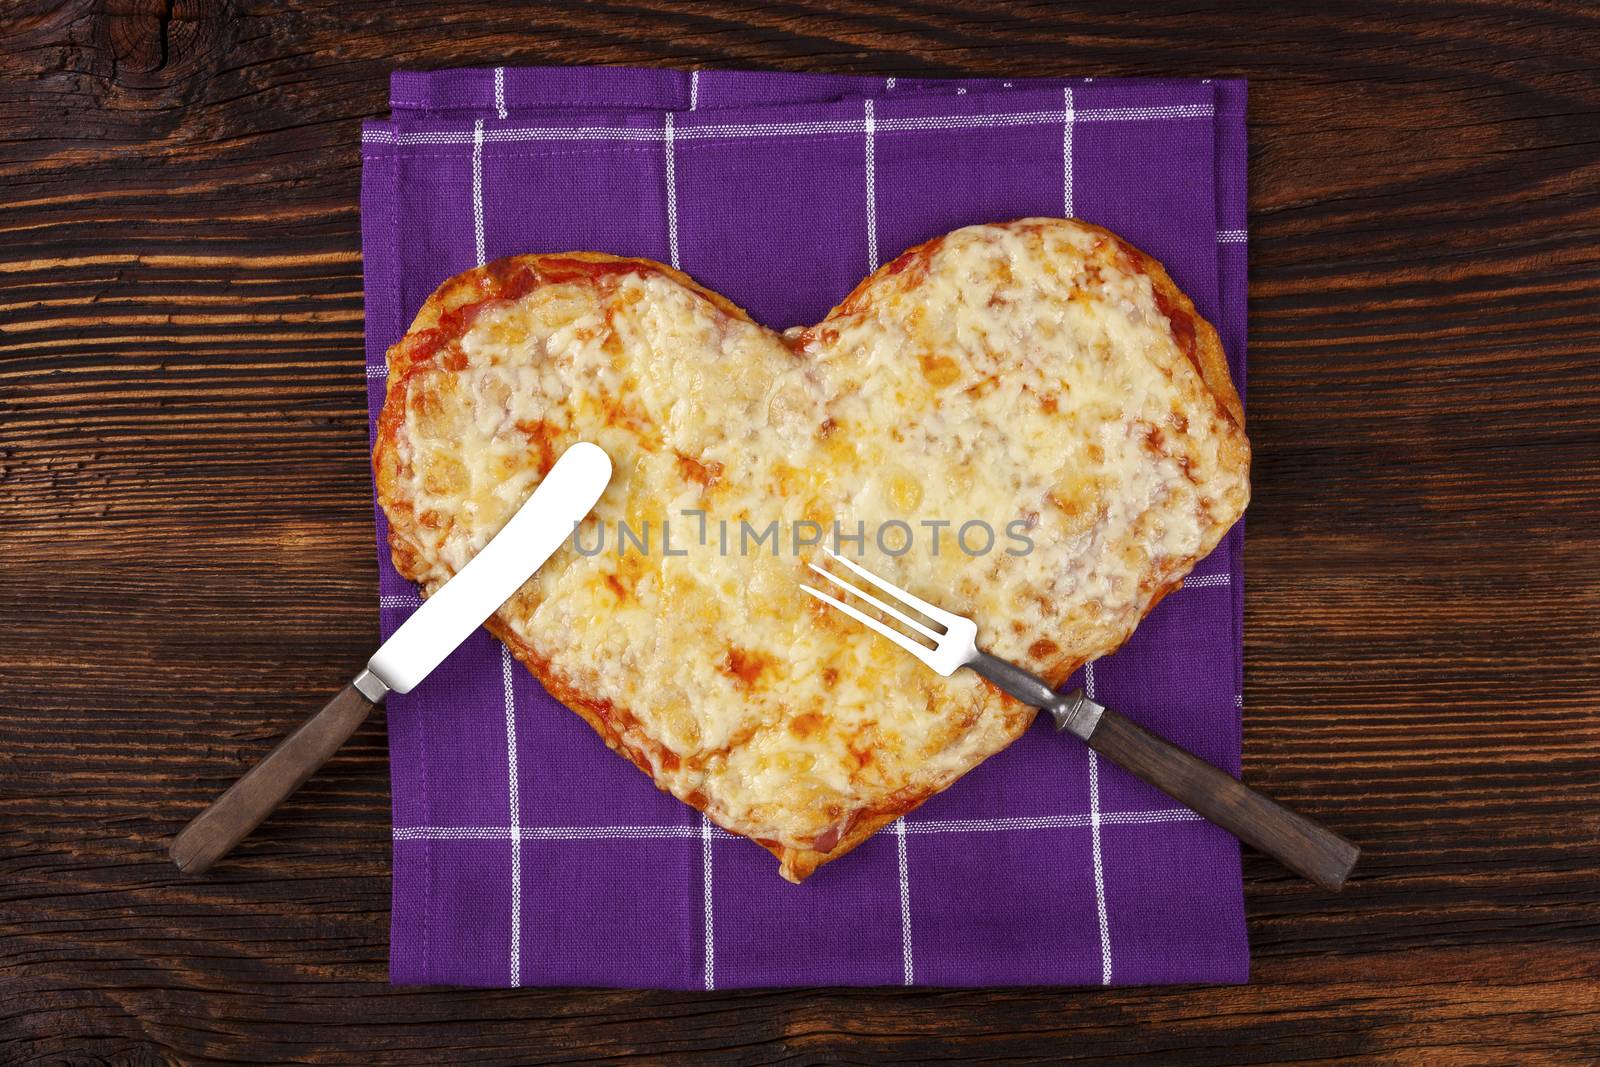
x=1292 y=839
x=213 y=833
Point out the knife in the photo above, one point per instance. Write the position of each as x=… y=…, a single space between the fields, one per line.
x=444 y=620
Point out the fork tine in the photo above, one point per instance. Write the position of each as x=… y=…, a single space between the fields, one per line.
x=918 y=650
x=875 y=602
x=939 y=615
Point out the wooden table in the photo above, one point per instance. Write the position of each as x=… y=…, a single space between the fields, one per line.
x=186 y=541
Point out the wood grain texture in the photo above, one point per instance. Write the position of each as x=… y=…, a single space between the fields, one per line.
x=186 y=554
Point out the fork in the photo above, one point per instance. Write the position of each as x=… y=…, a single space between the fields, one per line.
x=1295 y=841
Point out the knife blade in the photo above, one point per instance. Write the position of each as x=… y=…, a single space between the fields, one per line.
x=498 y=570
x=539 y=527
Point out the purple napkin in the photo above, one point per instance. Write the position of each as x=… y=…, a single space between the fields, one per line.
x=525 y=852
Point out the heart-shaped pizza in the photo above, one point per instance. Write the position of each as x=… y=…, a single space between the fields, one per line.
x=1027 y=424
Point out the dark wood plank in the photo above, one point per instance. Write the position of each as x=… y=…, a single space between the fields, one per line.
x=186 y=562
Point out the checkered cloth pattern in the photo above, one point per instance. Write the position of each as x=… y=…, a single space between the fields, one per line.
x=525 y=852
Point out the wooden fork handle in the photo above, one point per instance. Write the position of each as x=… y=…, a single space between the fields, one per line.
x=1292 y=839
x=213 y=833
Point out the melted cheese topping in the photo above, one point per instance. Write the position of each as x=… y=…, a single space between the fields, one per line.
x=1023 y=376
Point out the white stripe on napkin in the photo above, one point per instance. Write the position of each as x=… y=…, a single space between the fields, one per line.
x=672 y=194
x=670 y=157
x=872 y=193
x=477 y=190
x=706 y=834
x=1196 y=581
x=1094 y=843
x=902 y=866
x=790 y=129
x=516 y=819
x=1013 y=824
x=905 y=901
x=1066 y=152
